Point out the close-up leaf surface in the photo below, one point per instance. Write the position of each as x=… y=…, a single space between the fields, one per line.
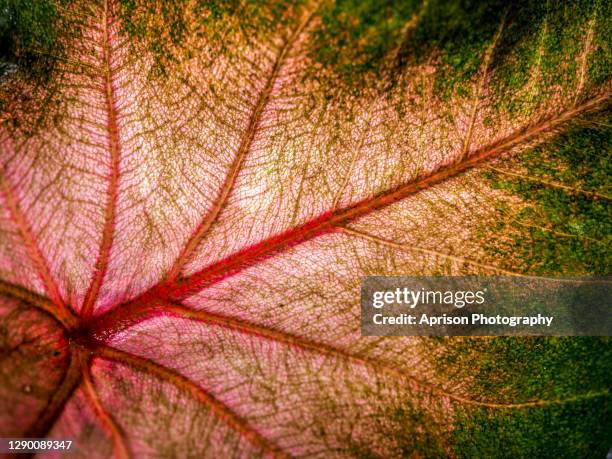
x=192 y=192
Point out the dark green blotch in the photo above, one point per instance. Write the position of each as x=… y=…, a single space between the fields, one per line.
x=571 y=373
x=365 y=43
x=570 y=233
x=29 y=35
x=357 y=38
x=520 y=369
x=576 y=429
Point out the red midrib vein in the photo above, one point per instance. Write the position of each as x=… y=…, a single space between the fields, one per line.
x=329 y=221
x=114 y=149
x=122 y=318
x=243 y=149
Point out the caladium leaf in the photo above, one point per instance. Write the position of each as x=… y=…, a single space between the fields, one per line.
x=191 y=194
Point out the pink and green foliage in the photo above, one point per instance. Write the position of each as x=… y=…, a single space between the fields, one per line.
x=191 y=193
